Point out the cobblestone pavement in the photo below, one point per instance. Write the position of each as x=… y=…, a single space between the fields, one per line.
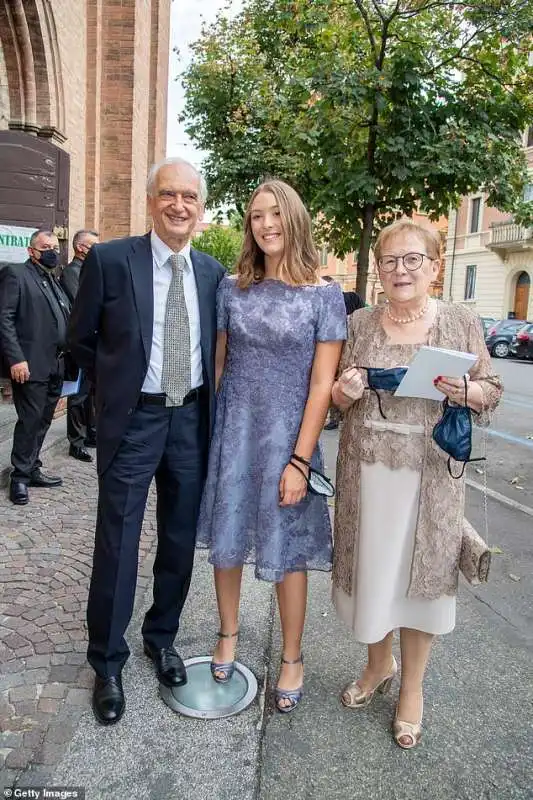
x=45 y=565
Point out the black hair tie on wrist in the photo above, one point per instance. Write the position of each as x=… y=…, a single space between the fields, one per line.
x=301 y=460
x=317 y=483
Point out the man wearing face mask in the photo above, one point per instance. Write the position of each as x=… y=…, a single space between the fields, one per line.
x=33 y=320
x=81 y=430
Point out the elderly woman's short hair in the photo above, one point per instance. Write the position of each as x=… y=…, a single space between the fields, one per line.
x=429 y=236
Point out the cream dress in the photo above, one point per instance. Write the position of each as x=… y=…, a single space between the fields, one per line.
x=379 y=601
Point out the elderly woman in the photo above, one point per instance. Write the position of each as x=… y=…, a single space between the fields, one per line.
x=398 y=522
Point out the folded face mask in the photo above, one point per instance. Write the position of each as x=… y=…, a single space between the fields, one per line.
x=317 y=482
x=385 y=380
x=453 y=433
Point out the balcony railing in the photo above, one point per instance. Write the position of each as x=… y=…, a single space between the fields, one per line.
x=510 y=236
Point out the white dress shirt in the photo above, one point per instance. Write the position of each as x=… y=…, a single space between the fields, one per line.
x=162 y=277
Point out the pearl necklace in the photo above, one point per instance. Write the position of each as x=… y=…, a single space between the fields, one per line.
x=412 y=318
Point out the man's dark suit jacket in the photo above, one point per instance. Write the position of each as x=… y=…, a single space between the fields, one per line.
x=28 y=325
x=70 y=279
x=111 y=327
x=353 y=302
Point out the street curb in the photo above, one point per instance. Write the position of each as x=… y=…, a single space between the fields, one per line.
x=55 y=437
x=501 y=498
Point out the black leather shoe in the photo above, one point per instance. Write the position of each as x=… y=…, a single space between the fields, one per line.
x=108 y=699
x=18 y=493
x=44 y=481
x=169 y=666
x=80 y=453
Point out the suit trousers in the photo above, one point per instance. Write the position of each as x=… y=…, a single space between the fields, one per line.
x=169 y=444
x=80 y=414
x=35 y=403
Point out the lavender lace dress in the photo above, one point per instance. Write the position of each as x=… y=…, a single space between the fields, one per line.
x=272 y=332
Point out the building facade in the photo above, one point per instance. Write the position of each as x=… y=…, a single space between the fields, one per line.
x=83 y=102
x=489 y=258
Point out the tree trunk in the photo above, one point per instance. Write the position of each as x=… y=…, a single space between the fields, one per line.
x=364 y=249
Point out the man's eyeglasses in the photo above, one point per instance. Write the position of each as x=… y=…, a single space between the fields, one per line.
x=167 y=195
x=411 y=261
x=47 y=249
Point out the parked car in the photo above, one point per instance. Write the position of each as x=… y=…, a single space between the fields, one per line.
x=522 y=342
x=487 y=323
x=498 y=338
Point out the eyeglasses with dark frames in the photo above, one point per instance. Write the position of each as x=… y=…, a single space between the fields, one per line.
x=411 y=261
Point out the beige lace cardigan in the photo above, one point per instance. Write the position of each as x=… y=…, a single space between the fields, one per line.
x=434 y=569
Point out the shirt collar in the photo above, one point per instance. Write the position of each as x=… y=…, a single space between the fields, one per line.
x=162 y=252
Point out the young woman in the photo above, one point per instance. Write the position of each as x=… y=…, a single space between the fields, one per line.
x=280 y=333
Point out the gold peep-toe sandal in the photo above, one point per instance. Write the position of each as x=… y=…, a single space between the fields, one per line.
x=410 y=730
x=354 y=697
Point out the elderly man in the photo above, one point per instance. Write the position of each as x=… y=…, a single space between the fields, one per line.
x=80 y=407
x=144 y=326
x=33 y=324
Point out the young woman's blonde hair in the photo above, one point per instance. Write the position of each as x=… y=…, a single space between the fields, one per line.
x=429 y=236
x=300 y=261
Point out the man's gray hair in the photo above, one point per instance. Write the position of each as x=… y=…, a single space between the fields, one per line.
x=40 y=231
x=80 y=235
x=154 y=169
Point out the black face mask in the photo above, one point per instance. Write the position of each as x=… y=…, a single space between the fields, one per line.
x=49 y=259
x=385 y=380
x=317 y=482
x=453 y=433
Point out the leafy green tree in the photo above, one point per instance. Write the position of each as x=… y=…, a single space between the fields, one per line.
x=370 y=108
x=223 y=243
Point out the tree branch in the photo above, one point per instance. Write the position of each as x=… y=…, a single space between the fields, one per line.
x=487 y=72
x=366 y=20
x=458 y=53
x=414 y=12
x=378 y=10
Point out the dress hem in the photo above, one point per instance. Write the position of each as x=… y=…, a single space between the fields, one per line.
x=378 y=637
x=269 y=576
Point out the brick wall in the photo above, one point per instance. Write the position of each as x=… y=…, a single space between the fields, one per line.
x=140 y=155
x=93 y=76
x=70 y=19
x=93 y=113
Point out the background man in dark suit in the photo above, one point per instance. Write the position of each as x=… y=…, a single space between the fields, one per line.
x=33 y=323
x=81 y=430
x=144 y=327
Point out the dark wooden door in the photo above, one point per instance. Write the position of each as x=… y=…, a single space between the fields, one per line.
x=34 y=184
x=521 y=298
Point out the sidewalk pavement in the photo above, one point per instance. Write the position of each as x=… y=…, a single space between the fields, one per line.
x=478 y=723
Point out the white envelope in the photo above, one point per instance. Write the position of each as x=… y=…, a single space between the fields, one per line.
x=428 y=364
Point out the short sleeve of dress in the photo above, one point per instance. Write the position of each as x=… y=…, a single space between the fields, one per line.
x=331 y=324
x=223 y=299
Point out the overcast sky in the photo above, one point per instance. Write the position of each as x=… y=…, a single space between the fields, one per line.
x=186 y=23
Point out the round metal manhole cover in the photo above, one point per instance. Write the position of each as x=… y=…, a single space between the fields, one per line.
x=205 y=698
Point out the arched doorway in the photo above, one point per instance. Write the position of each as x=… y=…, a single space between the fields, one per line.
x=34 y=187
x=521 y=295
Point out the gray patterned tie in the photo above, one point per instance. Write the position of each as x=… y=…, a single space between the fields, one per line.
x=176 y=372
